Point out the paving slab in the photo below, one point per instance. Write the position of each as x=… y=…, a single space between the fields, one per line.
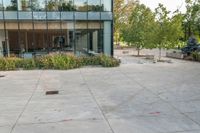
x=133 y=98
x=65 y=127
x=158 y=124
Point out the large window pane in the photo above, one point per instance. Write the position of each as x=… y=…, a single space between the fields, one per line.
x=10 y=5
x=81 y=38
x=38 y=5
x=12 y=37
x=94 y=5
x=95 y=37
x=80 y=5
x=2 y=41
x=107 y=4
x=2 y=32
x=68 y=32
x=1 y=10
x=53 y=5
x=26 y=37
x=67 y=5
x=24 y=5
x=55 y=38
x=40 y=36
x=1 y=5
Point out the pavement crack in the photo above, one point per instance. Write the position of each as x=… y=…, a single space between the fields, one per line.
x=97 y=103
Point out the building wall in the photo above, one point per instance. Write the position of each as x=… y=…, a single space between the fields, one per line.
x=64 y=16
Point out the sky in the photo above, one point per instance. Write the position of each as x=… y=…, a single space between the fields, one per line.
x=171 y=5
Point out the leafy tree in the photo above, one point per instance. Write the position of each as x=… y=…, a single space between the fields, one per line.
x=122 y=12
x=192 y=18
x=167 y=31
x=138 y=30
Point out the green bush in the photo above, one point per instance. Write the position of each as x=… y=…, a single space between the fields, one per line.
x=57 y=61
x=27 y=64
x=89 y=60
x=196 y=56
x=107 y=61
x=9 y=63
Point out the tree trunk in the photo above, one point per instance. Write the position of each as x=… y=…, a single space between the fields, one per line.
x=160 y=50
x=189 y=30
x=138 y=52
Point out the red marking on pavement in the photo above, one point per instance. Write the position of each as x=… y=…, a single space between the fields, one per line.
x=66 y=120
x=155 y=113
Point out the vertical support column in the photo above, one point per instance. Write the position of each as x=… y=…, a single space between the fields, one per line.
x=107 y=38
x=74 y=30
x=26 y=41
x=88 y=36
x=112 y=30
x=7 y=44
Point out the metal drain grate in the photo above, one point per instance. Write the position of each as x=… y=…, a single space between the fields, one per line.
x=52 y=92
x=2 y=76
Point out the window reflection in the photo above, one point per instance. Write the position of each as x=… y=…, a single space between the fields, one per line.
x=38 y=5
x=1 y=6
x=24 y=5
x=80 y=5
x=107 y=5
x=94 y=5
x=67 y=5
x=10 y=5
x=53 y=5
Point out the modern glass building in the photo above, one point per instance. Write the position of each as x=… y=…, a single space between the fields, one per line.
x=44 y=26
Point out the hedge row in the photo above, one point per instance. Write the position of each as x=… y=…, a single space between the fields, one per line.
x=57 y=62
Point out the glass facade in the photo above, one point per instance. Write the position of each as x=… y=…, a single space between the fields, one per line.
x=42 y=26
x=94 y=5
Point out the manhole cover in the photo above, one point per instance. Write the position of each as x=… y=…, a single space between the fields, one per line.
x=1 y=76
x=52 y=92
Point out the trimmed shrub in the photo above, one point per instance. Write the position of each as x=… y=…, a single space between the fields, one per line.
x=58 y=62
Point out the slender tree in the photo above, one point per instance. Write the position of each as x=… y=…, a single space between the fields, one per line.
x=137 y=31
x=192 y=18
x=122 y=11
x=167 y=31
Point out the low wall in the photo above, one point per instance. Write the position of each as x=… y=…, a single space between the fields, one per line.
x=177 y=55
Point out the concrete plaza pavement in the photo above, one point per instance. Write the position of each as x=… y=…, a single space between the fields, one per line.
x=133 y=98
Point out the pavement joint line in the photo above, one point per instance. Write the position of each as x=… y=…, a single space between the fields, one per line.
x=163 y=100
x=61 y=121
x=184 y=131
x=36 y=87
x=94 y=98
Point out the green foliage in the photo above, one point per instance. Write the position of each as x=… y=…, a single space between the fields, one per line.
x=106 y=61
x=57 y=62
x=93 y=60
x=196 y=56
x=122 y=12
x=192 y=18
x=27 y=64
x=9 y=63
x=167 y=31
x=102 y=60
x=139 y=28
